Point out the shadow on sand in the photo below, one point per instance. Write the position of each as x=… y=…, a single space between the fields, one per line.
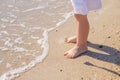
x=112 y=56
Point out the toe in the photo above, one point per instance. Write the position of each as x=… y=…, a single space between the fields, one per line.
x=65 y=53
x=69 y=56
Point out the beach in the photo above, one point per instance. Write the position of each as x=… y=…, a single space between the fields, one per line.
x=101 y=62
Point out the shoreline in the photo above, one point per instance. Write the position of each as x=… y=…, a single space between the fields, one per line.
x=101 y=62
x=44 y=43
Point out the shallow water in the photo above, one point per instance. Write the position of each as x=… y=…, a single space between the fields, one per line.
x=24 y=29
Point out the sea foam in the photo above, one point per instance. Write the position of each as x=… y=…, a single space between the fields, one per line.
x=42 y=41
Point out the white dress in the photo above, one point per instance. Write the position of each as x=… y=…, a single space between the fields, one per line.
x=84 y=6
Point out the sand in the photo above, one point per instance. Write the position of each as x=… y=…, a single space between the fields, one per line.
x=101 y=62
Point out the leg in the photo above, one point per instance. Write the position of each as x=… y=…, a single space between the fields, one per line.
x=82 y=34
x=86 y=27
x=82 y=29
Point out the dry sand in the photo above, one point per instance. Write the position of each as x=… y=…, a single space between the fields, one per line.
x=101 y=62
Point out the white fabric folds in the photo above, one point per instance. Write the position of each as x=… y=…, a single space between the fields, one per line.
x=84 y=6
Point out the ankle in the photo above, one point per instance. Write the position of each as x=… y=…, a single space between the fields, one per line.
x=84 y=45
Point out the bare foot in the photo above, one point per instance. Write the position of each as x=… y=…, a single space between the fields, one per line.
x=71 y=39
x=75 y=51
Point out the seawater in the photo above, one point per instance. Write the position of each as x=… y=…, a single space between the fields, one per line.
x=24 y=29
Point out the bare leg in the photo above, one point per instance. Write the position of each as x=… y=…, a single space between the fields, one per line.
x=82 y=34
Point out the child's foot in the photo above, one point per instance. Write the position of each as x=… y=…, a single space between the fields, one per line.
x=75 y=51
x=71 y=39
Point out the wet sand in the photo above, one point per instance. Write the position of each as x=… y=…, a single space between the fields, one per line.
x=24 y=31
